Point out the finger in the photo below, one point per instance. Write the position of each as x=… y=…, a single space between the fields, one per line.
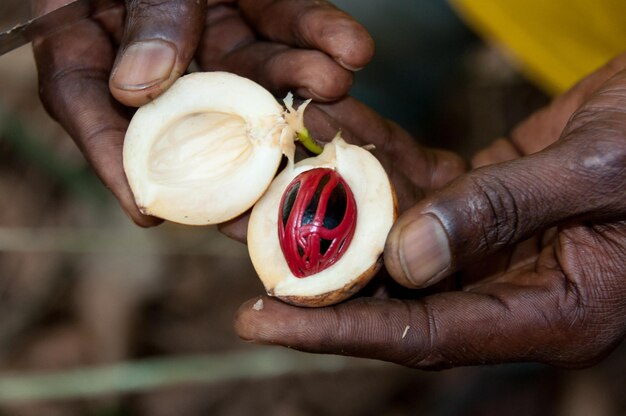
x=112 y=21
x=73 y=71
x=160 y=39
x=547 y=311
x=237 y=228
x=111 y=18
x=313 y=25
x=426 y=168
x=412 y=169
x=545 y=127
x=499 y=151
x=228 y=44
x=512 y=323
x=580 y=177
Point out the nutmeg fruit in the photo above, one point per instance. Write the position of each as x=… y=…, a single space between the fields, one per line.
x=208 y=149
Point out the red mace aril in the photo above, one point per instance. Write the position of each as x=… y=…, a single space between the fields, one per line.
x=317 y=221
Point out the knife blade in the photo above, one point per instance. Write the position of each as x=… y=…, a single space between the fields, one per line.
x=51 y=22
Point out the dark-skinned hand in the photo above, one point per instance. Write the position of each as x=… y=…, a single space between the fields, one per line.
x=533 y=242
x=93 y=72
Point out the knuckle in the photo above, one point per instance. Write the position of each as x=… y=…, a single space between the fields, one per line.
x=598 y=138
x=274 y=71
x=429 y=349
x=495 y=211
x=299 y=28
x=604 y=159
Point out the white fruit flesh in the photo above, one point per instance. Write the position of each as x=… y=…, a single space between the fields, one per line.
x=375 y=215
x=205 y=150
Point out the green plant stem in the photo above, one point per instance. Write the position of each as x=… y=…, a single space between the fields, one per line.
x=309 y=142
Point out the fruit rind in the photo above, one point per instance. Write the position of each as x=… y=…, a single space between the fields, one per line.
x=334 y=296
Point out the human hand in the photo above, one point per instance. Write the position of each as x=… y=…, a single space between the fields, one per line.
x=134 y=53
x=534 y=241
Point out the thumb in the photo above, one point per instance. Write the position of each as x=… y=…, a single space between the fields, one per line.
x=160 y=39
x=581 y=177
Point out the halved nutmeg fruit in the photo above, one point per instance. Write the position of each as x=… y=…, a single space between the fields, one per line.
x=317 y=235
x=208 y=149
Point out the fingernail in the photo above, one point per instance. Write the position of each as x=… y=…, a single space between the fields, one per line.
x=144 y=64
x=424 y=250
x=309 y=93
x=349 y=67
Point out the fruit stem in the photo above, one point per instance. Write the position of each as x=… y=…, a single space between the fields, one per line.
x=309 y=142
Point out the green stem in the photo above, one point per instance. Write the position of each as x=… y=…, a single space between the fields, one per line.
x=309 y=142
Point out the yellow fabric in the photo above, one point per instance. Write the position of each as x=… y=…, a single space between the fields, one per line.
x=557 y=42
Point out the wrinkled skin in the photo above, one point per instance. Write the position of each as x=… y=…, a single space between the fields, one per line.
x=528 y=249
x=94 y=72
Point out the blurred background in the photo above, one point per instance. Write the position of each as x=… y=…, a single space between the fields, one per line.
x=99 y=317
